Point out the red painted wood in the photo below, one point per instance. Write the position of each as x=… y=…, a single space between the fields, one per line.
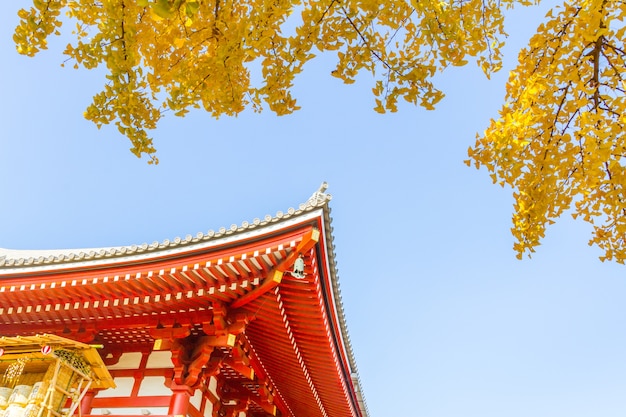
x=123 y=402
x=292 y=337
x=179 y=402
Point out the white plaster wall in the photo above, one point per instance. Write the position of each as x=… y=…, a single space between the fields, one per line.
x=124 y=388
x=153 y=385
x=130 y=360
x=196 y=400
x=208 y=409
x=213 y=386
x=160 y=359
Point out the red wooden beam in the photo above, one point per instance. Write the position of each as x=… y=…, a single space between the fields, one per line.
x=275 y=276
x=120 y=402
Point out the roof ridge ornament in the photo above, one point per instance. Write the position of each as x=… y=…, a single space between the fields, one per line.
x=319 y=197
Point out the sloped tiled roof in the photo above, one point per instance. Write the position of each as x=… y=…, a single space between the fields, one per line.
x=12 y=258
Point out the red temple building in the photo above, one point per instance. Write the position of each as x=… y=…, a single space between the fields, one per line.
x=244 y=321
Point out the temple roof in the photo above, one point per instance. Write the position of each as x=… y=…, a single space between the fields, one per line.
x=21 y=258
x=120 y=295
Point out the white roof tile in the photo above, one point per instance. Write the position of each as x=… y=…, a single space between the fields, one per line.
x=19 y=258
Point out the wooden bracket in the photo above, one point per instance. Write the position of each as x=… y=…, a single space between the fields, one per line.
x=224 y=323
x=222 y=410
x=192 y=355
x=169 y=332
x=188 y=360
x=232 y=392
x=111 y=356
x=276 y=275
x=80 y=332
x=239 y=361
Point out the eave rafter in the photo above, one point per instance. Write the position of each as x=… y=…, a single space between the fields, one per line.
x=311 y=324
x=239 y=384
x=275 y=277
x=61 y=303
x=302 y=337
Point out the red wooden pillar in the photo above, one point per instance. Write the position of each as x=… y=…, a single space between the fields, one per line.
x=85 y=403
x=179 y=404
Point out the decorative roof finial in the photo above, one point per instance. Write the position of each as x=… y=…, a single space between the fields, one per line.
x=319 y=197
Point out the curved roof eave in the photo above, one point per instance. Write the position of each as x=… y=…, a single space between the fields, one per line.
x=18 y=260
x=340 y=313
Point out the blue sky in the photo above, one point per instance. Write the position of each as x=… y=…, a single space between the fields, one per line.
x=444 y=321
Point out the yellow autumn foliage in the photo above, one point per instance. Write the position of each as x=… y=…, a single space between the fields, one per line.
x=559 y=139
x=173 y=55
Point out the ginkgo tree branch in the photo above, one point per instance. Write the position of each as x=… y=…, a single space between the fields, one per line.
x=366 y=43
x=162 y=39
x=560 y=134
x=556 y=142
